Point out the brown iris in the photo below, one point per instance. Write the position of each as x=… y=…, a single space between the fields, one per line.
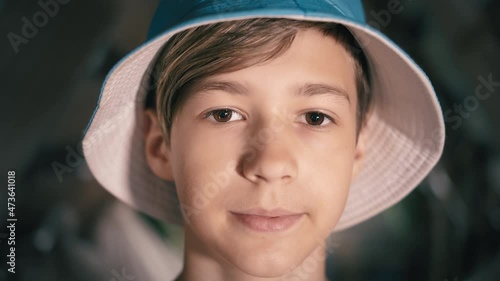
x=222 y=115
x=315 y=118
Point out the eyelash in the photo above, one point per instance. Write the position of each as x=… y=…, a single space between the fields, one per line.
x=319 y=127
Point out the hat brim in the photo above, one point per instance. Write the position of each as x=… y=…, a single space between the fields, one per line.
x=405 y=130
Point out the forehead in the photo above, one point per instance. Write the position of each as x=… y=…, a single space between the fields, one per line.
x=307 y=89
x=314 y=64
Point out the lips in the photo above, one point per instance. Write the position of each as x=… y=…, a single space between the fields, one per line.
x=268 y=213
x=262 y=220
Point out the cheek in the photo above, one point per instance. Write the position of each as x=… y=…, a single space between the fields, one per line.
x=329 y=174
x=202 y=167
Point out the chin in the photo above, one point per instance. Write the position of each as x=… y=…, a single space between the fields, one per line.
x=267 y=264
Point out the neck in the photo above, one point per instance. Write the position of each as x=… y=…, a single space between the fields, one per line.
x=201 y=264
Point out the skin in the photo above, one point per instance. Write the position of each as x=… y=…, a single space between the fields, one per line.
x=271 y=153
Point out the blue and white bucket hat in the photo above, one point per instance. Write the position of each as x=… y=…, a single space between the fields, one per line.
x=405 y=131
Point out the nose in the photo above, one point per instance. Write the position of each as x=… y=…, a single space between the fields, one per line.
x=270 y=156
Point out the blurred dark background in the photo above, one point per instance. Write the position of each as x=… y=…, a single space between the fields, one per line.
x=69 y=228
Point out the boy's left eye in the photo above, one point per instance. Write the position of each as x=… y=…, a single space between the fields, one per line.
x=316 y=118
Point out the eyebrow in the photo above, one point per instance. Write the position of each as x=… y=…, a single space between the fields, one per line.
x=317 y=89
x=307 y=89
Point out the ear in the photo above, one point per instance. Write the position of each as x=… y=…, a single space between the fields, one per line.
x=156 y=149
x=359 y=154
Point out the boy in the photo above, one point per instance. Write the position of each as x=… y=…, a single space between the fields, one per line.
x=267 y=126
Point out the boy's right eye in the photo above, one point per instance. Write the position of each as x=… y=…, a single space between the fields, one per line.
x=223 y=115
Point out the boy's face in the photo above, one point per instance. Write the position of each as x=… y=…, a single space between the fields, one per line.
x=269 y=150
